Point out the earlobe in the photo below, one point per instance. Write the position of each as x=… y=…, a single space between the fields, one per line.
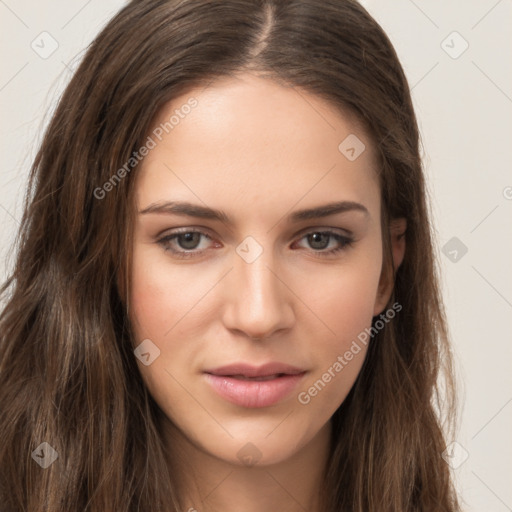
x=397 y=231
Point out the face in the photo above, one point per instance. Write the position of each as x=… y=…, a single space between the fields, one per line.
x=256 y=264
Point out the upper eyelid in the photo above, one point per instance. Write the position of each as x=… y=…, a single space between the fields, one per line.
x=337 y=231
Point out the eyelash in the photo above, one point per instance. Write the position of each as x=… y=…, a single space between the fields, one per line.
x=345 y=241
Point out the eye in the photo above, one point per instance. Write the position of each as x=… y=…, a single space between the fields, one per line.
x=320 y=240
x=183 y=244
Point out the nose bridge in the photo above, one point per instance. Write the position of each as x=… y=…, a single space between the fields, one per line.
x=258 y=280
x=259 y=302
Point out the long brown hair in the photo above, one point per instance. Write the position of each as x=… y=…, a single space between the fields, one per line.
x=68 y=375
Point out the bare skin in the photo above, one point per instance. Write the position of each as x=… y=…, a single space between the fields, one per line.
x=259 y=152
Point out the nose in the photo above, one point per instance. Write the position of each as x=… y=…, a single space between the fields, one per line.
x=259 y=300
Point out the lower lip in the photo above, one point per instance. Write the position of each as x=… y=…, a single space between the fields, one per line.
x=253 y=393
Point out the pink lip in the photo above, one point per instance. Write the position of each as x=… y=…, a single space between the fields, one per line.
x=241 y=383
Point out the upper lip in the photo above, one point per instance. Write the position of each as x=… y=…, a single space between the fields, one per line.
x=248 y=370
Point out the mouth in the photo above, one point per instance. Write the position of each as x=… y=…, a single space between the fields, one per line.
x=256 y=379
x=254 y=387
x=244 y=370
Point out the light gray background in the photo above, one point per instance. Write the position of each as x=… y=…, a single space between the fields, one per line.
x=464 y=105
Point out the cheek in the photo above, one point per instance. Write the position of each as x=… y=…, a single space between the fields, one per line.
x=149 y=305
x=165 y=308
x=345 y=304
x=161 y=295
x=159 y=298
x=346 y=299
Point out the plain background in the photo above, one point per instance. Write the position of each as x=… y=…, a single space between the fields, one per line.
x=458 y=59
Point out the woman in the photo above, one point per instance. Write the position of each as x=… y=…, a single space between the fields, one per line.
x=225 y=295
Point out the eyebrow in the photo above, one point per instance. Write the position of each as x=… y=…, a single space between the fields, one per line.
x=204 y=212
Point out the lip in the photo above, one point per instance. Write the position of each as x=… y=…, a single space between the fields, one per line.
x=253 y=387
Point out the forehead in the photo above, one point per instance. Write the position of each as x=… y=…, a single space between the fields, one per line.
x=251 y=140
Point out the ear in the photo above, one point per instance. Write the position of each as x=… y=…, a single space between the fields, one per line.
x=397 y=230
